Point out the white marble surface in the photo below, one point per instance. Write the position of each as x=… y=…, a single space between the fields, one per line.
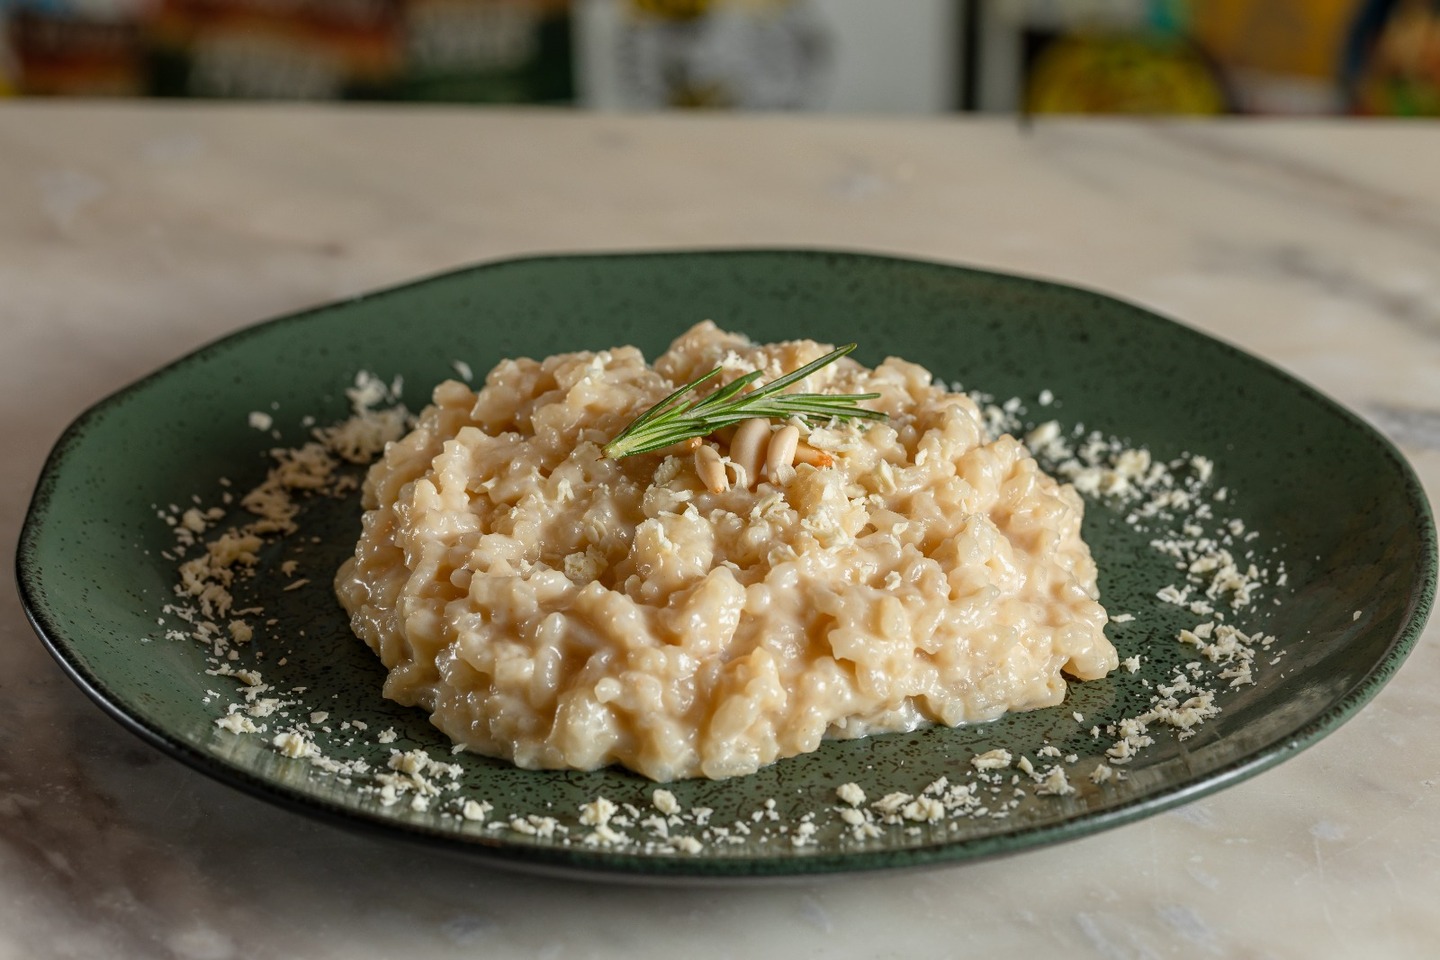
x=130 y=234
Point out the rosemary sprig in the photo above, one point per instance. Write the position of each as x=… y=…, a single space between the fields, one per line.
x=675 y=419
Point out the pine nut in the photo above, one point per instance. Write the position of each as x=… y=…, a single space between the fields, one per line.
x=804 y=453
x=747 y=449
x=683 y=447
x=781 y=455
x=711 y=469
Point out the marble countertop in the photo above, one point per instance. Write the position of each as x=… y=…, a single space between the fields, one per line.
x=130 y=234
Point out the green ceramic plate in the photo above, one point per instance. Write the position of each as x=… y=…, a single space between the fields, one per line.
x=1323 y=494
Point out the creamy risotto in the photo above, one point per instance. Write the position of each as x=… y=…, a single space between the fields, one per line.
x=550 y=605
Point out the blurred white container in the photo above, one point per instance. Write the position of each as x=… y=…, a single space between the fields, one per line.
x=852 y=56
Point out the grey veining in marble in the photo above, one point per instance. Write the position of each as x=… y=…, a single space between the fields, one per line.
x=130 y=234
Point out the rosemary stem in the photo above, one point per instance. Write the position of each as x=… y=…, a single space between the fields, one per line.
x=675 y=418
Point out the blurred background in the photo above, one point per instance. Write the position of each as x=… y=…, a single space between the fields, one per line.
x=1199 y=57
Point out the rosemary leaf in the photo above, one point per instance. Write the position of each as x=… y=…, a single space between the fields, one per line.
x=675 y=418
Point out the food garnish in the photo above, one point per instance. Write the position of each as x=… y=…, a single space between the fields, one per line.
x=676 y=419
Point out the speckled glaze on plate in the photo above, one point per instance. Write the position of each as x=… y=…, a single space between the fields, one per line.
x=1329 y=496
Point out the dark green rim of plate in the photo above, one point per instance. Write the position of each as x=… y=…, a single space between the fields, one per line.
x=1330 y=496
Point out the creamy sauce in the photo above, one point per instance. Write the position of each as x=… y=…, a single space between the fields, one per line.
x=549 y=605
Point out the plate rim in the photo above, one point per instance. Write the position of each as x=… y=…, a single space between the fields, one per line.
x=639 y=867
